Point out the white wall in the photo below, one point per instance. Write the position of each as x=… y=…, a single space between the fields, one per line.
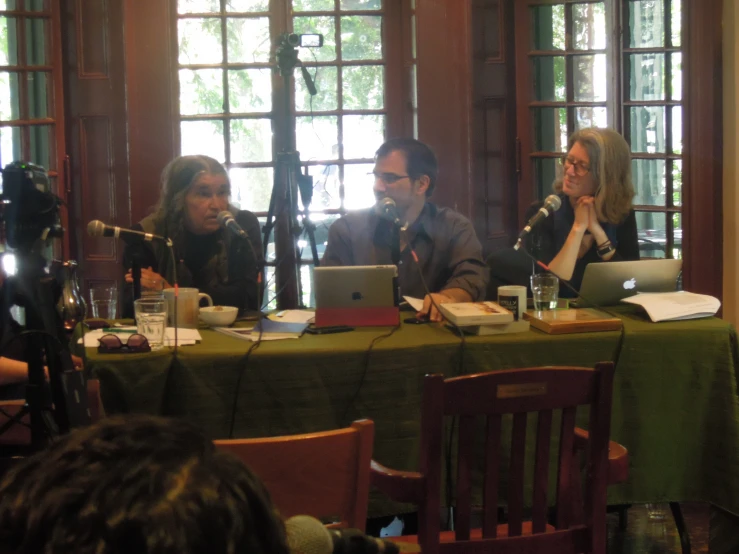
x=731 y=156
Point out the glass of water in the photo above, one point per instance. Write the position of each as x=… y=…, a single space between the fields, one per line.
x=151 y=320
x=545 y=290
x=104 y=301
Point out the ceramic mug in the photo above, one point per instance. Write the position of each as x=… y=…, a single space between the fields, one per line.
x=188 y=307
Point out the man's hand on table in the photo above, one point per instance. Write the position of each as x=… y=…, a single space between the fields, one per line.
x=448 y=295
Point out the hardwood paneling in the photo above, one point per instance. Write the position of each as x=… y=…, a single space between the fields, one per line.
x=92 y=39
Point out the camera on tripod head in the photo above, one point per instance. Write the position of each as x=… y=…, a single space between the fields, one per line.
x=30 y=211
x=286 y=53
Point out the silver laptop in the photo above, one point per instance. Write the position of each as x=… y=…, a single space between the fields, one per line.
x=359 y=286
x=606 y=284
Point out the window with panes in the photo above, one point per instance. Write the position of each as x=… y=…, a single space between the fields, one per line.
x=579 y=71
x=231 y=99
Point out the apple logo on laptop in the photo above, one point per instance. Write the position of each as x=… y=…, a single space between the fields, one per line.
x=357 y=296
x=630 y=284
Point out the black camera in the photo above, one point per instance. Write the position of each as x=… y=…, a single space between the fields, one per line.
x=30 y=211
x=308 y=40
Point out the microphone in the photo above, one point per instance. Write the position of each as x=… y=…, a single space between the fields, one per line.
x=387 y=209
x=551 y=205
x=227 y=221
x=97 y=228
x=307 y=535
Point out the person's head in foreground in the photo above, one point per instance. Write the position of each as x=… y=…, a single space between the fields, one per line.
x=136 y=484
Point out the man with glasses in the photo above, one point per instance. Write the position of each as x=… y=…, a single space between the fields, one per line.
x=449 y=257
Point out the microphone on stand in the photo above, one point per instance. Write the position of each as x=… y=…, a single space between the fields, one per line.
x=97 y=228
x=227 y=221
x=307 y=535
x=388 y=209
x=551 y=205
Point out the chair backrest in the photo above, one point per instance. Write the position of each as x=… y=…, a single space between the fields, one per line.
x=546 y=391
x=325 y=475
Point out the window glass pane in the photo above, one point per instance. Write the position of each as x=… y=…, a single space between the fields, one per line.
x=546 y=171
x=317 y=138
x=39 y=95
x=8 y=5
x=347 y=5
x=198 y=6
x=251 y=187
x=250 y=90
x=589 y=23
x=363 y=87
x=323 y=25
x=363 y=134
x=8 y=41
x=9 y=96
x=313 y=6
x=37 y=5
x=590 y=117
x=200 y=41
x=548 y=27
x=652 y=234
x=248 y=39
x=413 y=37
x=203 y=137
x=646 y=24
x=677 y=230
x=326 y=186
x=42 y=146
x=677 y=75
x=251 y=140
x=201 y=91
x=647 y=78
x=590 y=78
x=326 y=81
x=246 y=6
x=677 y=182
x=677 y=130
x=550 y=129
x=549 y=78
x=358 y=183
x=361 y=37
x=649 y=182
x=10 y=145
x=37 y=42
x=676 y=6
x=647 y=129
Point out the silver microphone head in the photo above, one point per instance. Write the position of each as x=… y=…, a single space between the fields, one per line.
x=307 y=535
x=552 y=203
x=96 y=228
x=386 y=208
x=224 y=217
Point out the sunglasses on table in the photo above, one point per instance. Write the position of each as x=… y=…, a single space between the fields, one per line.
x=112 y=344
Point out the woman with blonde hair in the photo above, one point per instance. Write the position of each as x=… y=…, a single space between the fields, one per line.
x=195 y=189
x=596 y=222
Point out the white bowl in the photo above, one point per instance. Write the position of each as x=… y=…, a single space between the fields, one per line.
x=219 y=316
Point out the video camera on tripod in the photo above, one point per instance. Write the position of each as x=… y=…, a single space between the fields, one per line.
x=30 y=217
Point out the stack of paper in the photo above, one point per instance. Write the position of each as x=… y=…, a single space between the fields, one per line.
x=671 y=306
x=185 y=337
x=270 y=330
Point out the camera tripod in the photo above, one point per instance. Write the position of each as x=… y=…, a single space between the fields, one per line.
x=289 y=183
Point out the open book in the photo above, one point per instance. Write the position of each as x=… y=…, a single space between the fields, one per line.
x=671 y=306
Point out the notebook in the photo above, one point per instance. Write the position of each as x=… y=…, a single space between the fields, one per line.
x=356 y=295
x=606 y=284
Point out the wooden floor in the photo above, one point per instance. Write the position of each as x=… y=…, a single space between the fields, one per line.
x=649 y=536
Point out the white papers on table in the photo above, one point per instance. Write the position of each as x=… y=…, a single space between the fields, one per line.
x=251 y=335
x=293 y=316
x=415 y=303
x=185 y=337
x=671 y=306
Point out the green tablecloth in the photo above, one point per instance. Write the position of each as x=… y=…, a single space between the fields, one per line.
x=675 y=399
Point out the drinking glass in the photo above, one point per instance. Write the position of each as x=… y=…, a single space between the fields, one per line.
x=104 y=301
x=545 y=290
x=151 y=320
x=152 y=288
x=655 y=512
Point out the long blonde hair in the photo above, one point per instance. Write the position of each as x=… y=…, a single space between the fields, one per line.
x=610 y=166
x=177 y=178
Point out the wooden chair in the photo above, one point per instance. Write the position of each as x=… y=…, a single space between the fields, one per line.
x=515 y=392
x=318 y=474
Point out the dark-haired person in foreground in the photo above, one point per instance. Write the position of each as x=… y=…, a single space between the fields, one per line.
x=136 y=485
x=449 y=254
